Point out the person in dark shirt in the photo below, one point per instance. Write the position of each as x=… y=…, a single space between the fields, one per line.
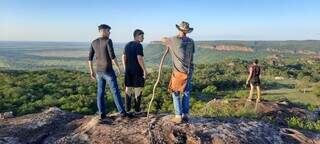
x=254 y=80
x=102 y=48
x=135 y=71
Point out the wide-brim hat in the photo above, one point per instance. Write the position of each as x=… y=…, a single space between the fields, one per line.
x=184 y=27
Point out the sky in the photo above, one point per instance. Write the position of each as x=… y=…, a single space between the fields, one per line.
x=77 y=20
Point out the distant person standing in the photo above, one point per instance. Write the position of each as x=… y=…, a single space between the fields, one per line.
x=135 y=70
x=182 y=49
x=254 y=80
x=102 y=47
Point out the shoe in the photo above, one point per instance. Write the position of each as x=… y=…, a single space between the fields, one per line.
x=102 y=116
x=126 y=115
x=103 y=120
x=185 y=118
x=177 y=119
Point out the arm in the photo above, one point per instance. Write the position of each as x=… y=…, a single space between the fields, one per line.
x=165 y=41
x=260 y=73
x=124 y=61
x=92 y=74
x=249 y=76
x=113 y=56
x=124 y=57
x=91 y=55
x=141 y=63
x=115 y=62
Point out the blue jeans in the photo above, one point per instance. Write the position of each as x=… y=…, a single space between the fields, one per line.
x=110 y=77
x=182 y=107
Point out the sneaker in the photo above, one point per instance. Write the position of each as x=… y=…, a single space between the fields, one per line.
x=124 y=115
x=185 y=118
x=102 y=116
x=177 y=119
x=103 y=120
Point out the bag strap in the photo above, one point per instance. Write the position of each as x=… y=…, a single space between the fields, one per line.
x=190 y=60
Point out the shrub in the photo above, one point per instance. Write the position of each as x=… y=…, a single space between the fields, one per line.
x=210 y=90
x=295 y=122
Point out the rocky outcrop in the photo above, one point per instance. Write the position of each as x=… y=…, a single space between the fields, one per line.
x=57 y=126
x=232 y=48
x=224 y=47
x=291 y=51
x=44 y=127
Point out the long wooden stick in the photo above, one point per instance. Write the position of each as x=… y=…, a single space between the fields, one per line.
x=158 y=79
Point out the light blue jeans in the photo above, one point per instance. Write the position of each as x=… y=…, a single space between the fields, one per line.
x=110 y=77
x=182 y=106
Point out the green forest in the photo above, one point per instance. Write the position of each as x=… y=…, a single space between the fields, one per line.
x=25 y=92
x=31 y=82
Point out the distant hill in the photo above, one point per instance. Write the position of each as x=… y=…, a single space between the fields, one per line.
x=212 y=51
x=292 y=46
x=72 y=55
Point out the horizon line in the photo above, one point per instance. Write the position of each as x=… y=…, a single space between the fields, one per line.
x=54 y=41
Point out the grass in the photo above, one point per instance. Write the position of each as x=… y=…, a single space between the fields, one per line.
x=278 y=94
x=307 y=101
x=226 y=110
x=298 y=123
x=293 y=96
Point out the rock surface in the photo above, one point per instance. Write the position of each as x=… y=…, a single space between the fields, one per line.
x=57 y=126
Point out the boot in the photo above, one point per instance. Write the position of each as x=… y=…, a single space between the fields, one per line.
x=128 y=102
x=137 y=103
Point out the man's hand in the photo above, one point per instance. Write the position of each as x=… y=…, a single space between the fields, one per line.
x=165 y=40
x=124 y=62
x=248 y=83
x=145 y=73
x=93 y=75
x=114 y=61
x=120 y=71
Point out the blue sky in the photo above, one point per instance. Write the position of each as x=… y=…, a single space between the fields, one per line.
x=77 y=20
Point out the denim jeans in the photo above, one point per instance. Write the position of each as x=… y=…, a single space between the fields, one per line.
x=182 y=106
x=110 y=77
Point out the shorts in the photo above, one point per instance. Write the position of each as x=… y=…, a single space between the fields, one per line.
x=255 y=82
x=134 y=80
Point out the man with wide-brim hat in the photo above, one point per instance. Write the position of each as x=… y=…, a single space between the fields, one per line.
x=184 y=27
x=182 y=49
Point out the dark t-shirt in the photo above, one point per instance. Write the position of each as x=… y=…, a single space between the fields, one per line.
x=131 y=51
x=256 y=71
x=103 y=49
